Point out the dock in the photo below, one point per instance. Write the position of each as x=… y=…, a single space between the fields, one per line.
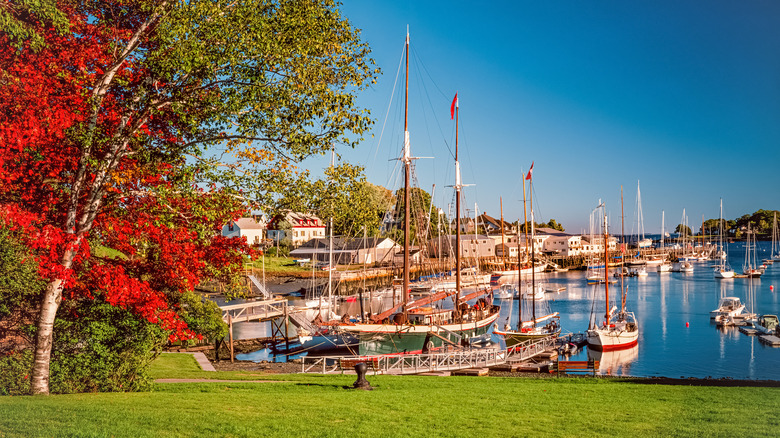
x=770 y=340
x=470 y=359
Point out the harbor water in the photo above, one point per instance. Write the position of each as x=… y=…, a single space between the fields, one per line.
x=677 y=338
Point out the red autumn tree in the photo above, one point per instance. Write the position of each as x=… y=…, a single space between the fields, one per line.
x=143 y=126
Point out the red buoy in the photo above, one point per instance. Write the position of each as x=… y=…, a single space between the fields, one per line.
x=686 y=324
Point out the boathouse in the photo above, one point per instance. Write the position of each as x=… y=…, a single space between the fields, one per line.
x=348 y=250
x=470 y=246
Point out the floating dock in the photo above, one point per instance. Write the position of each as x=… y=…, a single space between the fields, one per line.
x=771 y=340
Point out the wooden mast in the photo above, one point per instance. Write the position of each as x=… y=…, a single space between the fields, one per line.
x=503 y=244
x=458 y=186
x=623 y=252
x=533 y=249
x=407 y=177
x=520 y=265
x=606 y=270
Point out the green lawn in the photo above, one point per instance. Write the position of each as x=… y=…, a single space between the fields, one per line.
x=314 y=406
x=281 y=266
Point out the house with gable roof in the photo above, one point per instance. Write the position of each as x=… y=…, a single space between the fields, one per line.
x=253 y=228
x=304 y=227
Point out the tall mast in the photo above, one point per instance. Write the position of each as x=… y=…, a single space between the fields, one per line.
x=623 y=250
x=330 y=243
x=458 y=186
x=662 y=233
x=533 y=250
x=606 y=270
x=520 y=265
x=407 y=177
x=503 y=245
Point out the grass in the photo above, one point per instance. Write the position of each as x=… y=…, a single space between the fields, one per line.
x=314 y=405
x=281 y=266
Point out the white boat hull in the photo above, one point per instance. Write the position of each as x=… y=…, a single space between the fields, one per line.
x=611 y=338
x=723 y=273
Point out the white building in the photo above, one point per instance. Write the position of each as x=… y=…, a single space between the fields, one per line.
x=251 y=228
x=304 y=228
x=349 y=250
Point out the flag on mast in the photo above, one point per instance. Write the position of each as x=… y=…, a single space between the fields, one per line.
x=530 y=171
x=453 y=106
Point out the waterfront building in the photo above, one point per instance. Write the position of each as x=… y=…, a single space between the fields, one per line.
x=348 y=250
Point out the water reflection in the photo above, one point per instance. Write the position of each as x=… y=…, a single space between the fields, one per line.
x=615 y=363
x=664 y=304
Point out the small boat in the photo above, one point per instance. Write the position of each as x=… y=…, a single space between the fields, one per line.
x=534 y=292
x=767 y=324
x=553 y=289
x=728 y=307
x=664 y=267
x=682 y=266
x=505 y=292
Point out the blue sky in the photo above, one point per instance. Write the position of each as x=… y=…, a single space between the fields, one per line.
x=682 y=96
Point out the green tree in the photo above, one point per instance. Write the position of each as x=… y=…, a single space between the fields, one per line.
x=425 y=219
x=683 y=229
x=209 y=93
x=555 y=225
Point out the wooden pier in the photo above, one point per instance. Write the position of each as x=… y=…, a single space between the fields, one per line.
x=773 y=341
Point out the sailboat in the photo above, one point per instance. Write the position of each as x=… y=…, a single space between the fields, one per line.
x=750 y=267
x=664 y=266
x=722 y=270
x=596 y=267
x=775 y=240
x=684 y=260
x=533 y=328
x=422 y=326
x=619 y=329
x=639 y=262
x=774 y=252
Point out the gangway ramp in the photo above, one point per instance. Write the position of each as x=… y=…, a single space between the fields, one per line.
x=431 y=362
x=254 y=310
x=258 y=287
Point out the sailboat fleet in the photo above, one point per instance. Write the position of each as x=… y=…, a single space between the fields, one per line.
x=450 y=315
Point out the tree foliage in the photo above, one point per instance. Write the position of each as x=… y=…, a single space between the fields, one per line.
x=683 y=229
x=147 y=125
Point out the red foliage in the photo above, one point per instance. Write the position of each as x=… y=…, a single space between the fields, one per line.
x=148 y=211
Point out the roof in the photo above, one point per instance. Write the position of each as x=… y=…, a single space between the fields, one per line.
x=496 y=223
x=552 y=232
x=248 y=223
x=344 y=243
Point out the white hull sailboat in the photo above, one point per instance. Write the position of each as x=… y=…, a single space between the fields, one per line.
x=750 y=267
x=618 y=330
x=723 y=270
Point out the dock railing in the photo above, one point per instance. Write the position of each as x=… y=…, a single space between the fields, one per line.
x=254 y=310
x=529 y=349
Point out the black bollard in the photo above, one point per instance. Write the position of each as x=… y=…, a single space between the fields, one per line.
x=361 y=382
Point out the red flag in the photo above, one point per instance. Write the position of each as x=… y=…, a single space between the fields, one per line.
x=453 y=106
x=530 y=171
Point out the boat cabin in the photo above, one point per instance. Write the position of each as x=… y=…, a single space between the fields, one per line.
x=430 y=316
